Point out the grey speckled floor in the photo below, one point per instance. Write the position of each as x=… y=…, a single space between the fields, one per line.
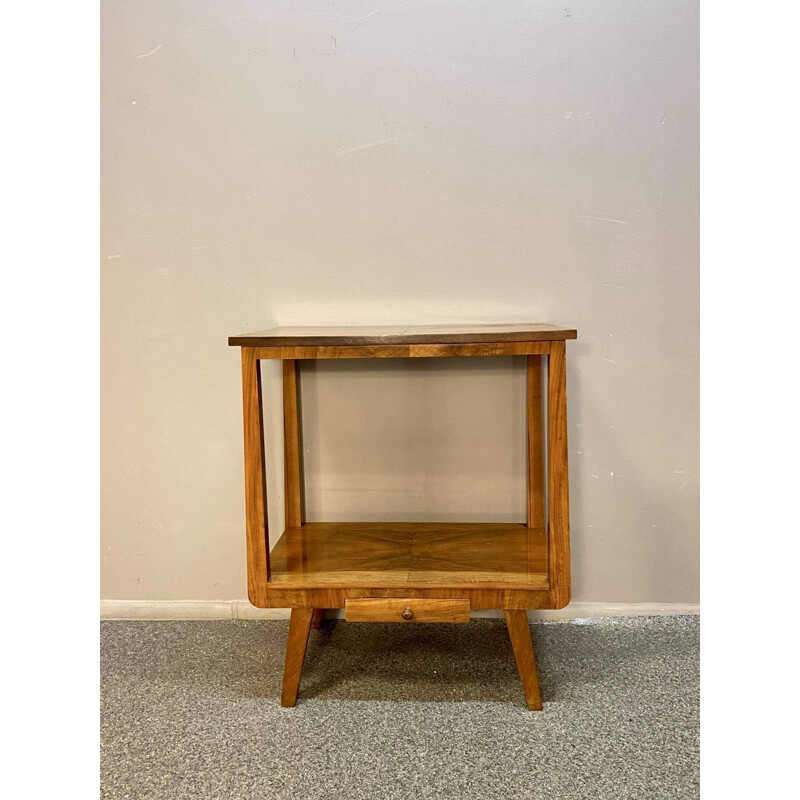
x=191 y=710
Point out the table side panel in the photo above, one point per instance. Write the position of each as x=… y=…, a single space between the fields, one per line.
x=558 y=549
x=255 y=482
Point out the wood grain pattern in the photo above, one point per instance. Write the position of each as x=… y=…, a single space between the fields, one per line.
x=402 y=334
x=293 y=458
x=536 y=483
x=405 y=350
x=479 y=553
x=479 y=595
x=520 y=634
x=299 y=626
x=330 y=554
x=292 y=467
x=558 y=567
x=405 y=609
x=255 y=482
x=410 y=554
x=409 y=571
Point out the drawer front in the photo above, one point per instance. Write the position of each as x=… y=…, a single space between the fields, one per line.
x=402 y=609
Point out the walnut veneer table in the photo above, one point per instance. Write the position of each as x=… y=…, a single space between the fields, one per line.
x=410 y=572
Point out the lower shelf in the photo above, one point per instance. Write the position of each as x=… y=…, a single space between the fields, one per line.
x=410 y=554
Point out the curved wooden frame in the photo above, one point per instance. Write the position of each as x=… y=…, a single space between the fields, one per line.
x=547 y=483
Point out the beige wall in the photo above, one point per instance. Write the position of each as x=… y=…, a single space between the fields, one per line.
x=399 y=162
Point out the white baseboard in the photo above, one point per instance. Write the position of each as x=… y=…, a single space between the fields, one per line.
x=241 y=609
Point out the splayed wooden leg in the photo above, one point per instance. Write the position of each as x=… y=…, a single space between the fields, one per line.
x=520 y=635
x=299 y=626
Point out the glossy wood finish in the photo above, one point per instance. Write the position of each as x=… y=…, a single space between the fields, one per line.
x=405 y=609
x=480 y=596
x=377 y=570
x=536 y=484
x=410 y=554
x=292 y=476
x=402 y=334
x=255 y=481
x=520 y=634
x=312 y=568
x=405 y=350
x=558 y=567
x=293 y=458
x=299 y=626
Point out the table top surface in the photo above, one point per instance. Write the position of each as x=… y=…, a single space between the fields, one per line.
x=403 y=334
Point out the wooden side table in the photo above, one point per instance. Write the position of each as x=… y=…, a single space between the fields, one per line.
x=410 y=572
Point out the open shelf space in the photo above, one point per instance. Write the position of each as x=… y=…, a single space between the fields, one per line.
x=409 y=571
x=410 y=554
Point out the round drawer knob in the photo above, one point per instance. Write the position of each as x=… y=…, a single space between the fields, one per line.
x=407 y=613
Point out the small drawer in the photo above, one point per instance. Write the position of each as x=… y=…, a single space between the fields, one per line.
x=404 y=609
